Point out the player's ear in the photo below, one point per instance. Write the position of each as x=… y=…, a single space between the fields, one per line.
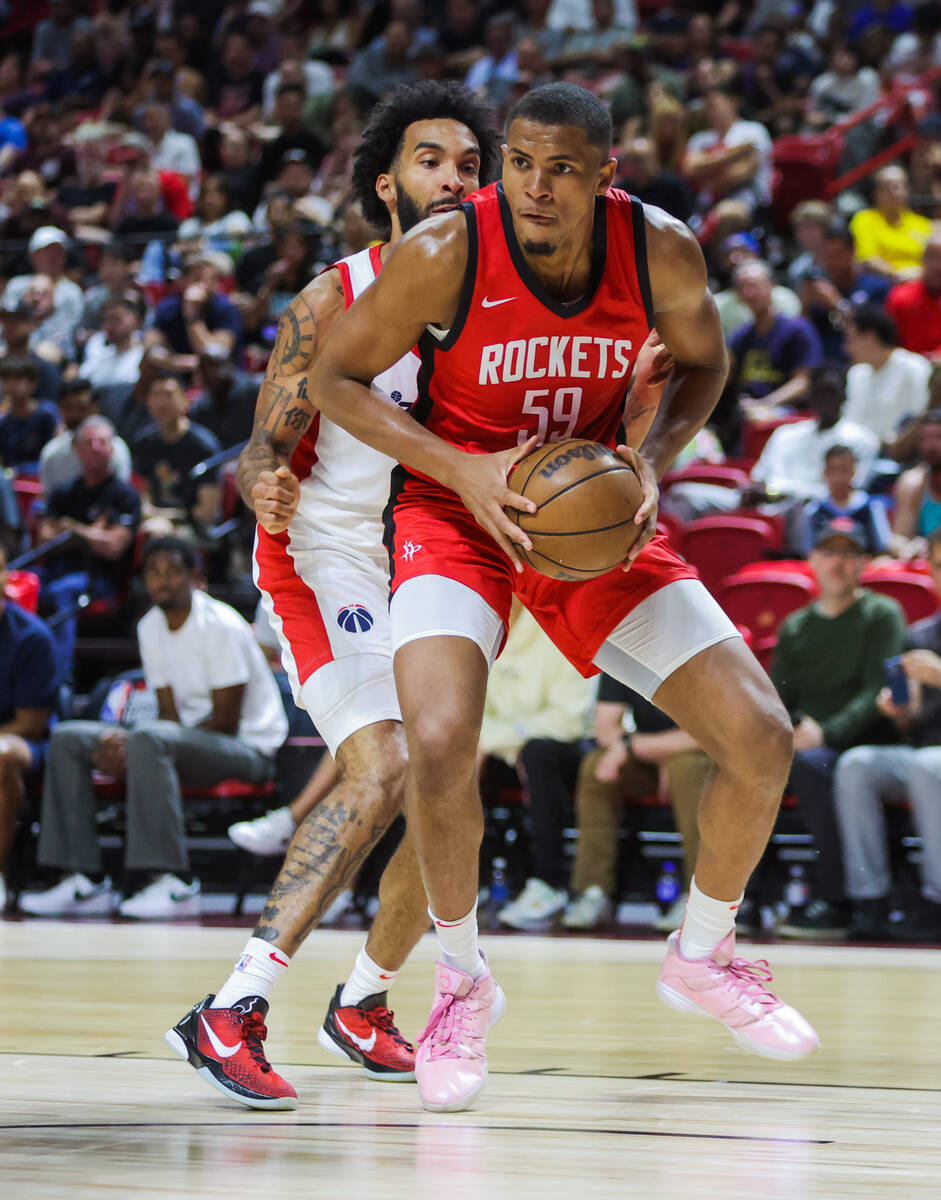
x=385 y=189
x=606 y=176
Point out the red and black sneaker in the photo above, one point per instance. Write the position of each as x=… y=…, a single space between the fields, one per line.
x=366 y=1033
x=225 y=1047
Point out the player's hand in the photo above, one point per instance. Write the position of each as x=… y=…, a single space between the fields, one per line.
x=275 y=496
x=654 y=363
x=646 y=515
x=110 y=755
x=481 y=482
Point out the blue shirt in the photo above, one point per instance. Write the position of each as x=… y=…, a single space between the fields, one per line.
x=867 y=289
x=12 y=133
x=867 y=511
x=766 y=361
x=221 y=313
x=28 y=670
x=22 y=438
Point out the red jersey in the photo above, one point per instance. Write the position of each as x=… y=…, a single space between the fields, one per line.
x=917 y=313
x=517 y=361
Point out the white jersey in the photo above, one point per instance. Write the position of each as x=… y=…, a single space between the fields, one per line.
x=344 y=482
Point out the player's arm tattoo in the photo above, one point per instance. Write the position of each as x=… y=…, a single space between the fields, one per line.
x=636 y=405
x=324 y=858
x=284 y=410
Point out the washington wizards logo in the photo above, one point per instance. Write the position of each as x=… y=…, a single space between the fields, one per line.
x=397 y=398
x=355 y=619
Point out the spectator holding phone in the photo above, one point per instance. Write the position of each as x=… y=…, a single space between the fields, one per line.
x=868 y=776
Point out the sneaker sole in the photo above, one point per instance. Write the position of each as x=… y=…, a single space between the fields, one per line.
x=529 y=924
x=496 y=1013
x=258 y=851
x=455 y=1105
x=800 y=934
x=278 y=1103
x=674 y=1000
x=182 y=910
x=333 y=1047
x=92 y=909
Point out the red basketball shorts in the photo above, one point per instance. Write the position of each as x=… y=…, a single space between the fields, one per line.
x=429 y=532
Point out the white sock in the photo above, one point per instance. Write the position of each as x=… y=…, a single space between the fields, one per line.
x=707 y=923
x=366 y=979
x=458 y=942
x=255 y=973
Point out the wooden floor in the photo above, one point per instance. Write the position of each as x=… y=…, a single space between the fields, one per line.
x=595 y=1090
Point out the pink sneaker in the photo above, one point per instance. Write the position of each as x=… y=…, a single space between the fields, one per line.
x=732 y=990
x=451 y=1062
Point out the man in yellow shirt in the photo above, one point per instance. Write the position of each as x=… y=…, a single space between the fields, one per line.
x=890 y=238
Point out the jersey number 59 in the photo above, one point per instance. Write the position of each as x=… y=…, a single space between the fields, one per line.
x=556 y=419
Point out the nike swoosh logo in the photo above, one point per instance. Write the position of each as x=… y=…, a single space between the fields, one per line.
x=280 y=961
x=220 y=1047
x=485 y=303
x=365 y=1044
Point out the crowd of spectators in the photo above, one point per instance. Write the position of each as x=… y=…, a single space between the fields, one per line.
x=172 y=174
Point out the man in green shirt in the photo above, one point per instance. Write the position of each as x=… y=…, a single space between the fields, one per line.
x=829 y=669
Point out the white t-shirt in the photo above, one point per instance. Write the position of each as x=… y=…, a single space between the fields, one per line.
x=177 y=152
x=59 y=464
x=104 y=365
x=793 y=458
x=885 y=398
x=742 y=133
x=844 y=96
x=213 y=648
x=577 y=14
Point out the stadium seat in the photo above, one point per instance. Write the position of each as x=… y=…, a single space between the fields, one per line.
x=760 y=596
x=805 y=164
x=718 y=546
x=788 y=566
x=28 y=493
x=910 y=587
x=670 y=527
x=763 y=650
x=718 y=473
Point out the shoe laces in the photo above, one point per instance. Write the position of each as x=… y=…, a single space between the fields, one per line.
x=254 y=1032
x=445 y=1027
x=751 y=978
x=384 y=1020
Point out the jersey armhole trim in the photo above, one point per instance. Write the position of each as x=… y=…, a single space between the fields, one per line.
x=640 y=257
x=347 y=282
x=467 y=287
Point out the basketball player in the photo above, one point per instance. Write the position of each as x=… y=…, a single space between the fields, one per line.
x=529 y=306
x=318 y=495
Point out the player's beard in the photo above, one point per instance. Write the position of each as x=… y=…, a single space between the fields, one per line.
x=539 y=249
x=409 y=212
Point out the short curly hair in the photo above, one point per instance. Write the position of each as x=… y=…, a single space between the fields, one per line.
x=428 y=100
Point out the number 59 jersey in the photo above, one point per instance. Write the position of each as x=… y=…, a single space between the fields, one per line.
x=518 y=362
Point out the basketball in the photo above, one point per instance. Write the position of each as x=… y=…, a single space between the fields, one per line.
x=586 y=498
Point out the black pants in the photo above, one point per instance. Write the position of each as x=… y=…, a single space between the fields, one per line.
x=812 y=783
x=550 y=770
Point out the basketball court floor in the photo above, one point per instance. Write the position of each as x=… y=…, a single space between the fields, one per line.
x=595 y=1090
